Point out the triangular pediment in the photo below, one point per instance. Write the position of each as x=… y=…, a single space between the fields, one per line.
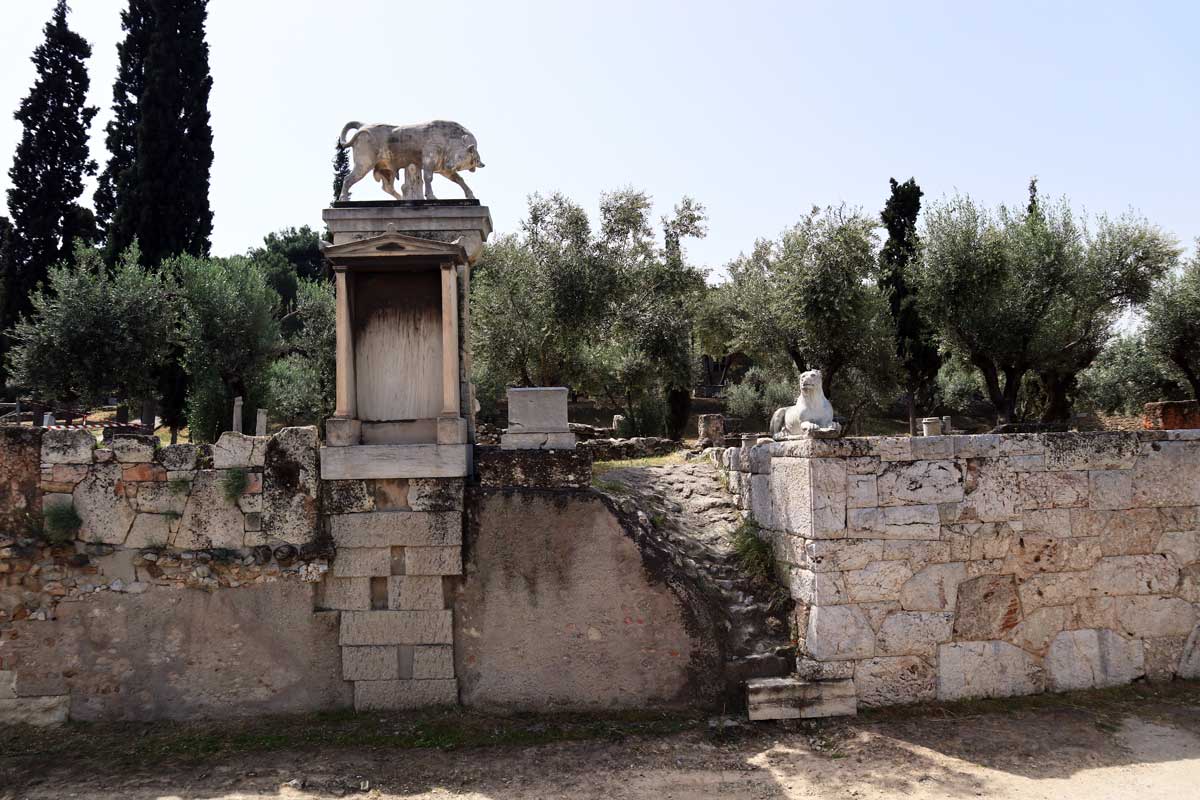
x=392 y=244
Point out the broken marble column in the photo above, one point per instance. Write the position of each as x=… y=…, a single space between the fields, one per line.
x=537 y=420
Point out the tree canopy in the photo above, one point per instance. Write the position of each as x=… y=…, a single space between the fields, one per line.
x=1173 y=321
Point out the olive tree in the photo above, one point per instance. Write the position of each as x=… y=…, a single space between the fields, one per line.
x=1173 y=321
x=1033 y=291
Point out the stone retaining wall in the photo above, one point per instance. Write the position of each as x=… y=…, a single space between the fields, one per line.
x=949 y=567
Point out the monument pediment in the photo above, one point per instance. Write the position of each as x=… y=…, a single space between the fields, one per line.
x=391 y=245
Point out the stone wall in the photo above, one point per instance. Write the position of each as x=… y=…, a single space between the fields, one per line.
x=948 y=567
x=560 y=609
x=105 y=621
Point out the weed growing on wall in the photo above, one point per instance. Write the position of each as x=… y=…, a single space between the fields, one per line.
x=61 y=523
x=233 y=484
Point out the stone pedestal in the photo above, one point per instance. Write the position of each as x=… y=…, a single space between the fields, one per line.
x=537 y=420
x=400 y=441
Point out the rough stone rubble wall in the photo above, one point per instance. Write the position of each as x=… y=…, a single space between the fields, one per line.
x=965 y=566
x=153 y=519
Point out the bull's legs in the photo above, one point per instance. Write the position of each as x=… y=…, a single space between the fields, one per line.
x=427 y=168
x=354 y=177
x=454 y=176
x=389 y=183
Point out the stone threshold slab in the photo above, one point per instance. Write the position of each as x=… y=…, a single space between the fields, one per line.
x=377 y=461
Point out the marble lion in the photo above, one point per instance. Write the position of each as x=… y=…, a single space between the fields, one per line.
x=811 y=416
x=415 y=152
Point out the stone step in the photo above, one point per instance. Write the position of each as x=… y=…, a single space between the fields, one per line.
x=793 y=698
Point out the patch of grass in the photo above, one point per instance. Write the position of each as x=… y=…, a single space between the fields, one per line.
x=61 y=522
x=601 y=467
x=753 y=552
x=234 y=483
x=120 y=745
x=611 y=487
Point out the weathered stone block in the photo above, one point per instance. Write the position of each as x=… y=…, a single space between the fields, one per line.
x=934 y=588
x=1090 y=659
x=371 y=663
x=130 y=448
x=177 y=457
x=991 y=491
x=894 y=522
x=396 y=528
x=987 y=608
x=915 y=633
x=837 y=633
x=433 y=560
x=839 y=555
x=1036 y=552
x=537 y=441
x=986 y=669
x=1090 y=451
x=1125 y=575
x=347 y=497
x=861 y=491
x=160 y=498
x=1165 y=475
x=985 y=445
x=1110 y=489
x=209 y=518
x=396 y=627
x=290 y=484
x=1189 y=663
x=402 y=694
x=1151 y=615
x=538 y=409
x=415 y=591
x=932 y=447
x=346 y=594
x=67 y=447
x=1171 y=415
x=791 y=698
x=1066 y=489
x=919 y=483
x=365 y=562
x=878 y=581
x=1161 y=656
x=150 y=530
x=894 y=681
x=235 y=450
x=894 y=448
x=548 y=469
x=36 y=711
x=439 y=494
x=1035 y=632
x=102 y=505
x=432 y=663
x=978 y=541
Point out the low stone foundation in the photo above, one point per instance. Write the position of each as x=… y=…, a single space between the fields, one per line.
x=1171 y=415
x=949 y=567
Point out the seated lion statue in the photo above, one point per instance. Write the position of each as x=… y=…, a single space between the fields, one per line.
x=811 y=416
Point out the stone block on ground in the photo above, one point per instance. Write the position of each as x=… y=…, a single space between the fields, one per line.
x=1092 y=659
x=792 y=698
x=898 y=680
x=986 y=669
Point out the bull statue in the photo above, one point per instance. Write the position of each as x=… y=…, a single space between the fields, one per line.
x=811 y=416
x=414 y=152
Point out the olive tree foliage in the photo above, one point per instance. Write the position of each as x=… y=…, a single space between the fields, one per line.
x=604 y=310
x=1033 y=291
x=1173 y=321
x=809 y=301
x=302 y=381
x=94 y=331
x=230 y=335
x=1128 y=374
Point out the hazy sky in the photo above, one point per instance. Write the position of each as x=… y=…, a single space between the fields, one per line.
x=758 y=110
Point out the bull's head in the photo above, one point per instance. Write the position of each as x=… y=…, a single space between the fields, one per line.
x=468 y=157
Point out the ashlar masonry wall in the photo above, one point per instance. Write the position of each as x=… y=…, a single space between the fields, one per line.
x=950 y=567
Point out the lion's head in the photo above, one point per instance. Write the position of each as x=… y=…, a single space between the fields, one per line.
x=811 y=387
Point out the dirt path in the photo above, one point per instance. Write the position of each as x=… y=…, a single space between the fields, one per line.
x=1143 y=749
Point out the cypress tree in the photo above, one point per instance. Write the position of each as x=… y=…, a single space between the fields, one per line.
x=121 y=131
x=50 y=164
x=341 y=168
x=914 y=339
x=163 y=197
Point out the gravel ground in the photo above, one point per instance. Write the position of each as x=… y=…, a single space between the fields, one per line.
x=1140 y=743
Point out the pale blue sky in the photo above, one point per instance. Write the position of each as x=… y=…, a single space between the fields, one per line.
x=756 y=109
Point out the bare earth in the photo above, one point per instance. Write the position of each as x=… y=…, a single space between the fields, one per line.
x=1094 y=746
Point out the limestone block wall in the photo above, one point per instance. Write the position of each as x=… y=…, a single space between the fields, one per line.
x=398 y=541
x=96 y=625
x=949 y=567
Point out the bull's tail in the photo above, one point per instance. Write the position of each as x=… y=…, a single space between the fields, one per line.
x=343 y=142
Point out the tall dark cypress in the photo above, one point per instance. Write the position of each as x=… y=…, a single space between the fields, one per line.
x=164 y=204
x=914 y=338
x=50 y=163
x=341 y=168
x=121 y=131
